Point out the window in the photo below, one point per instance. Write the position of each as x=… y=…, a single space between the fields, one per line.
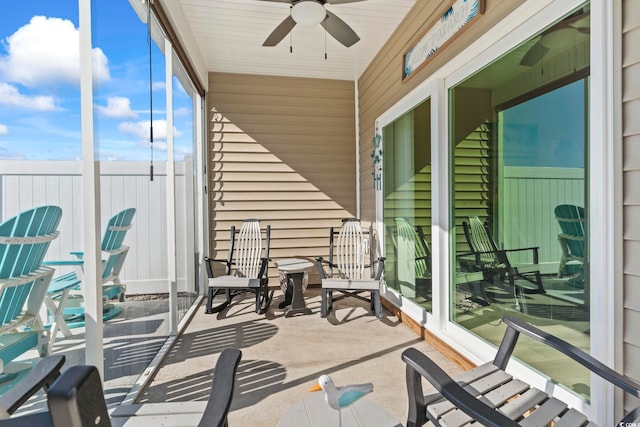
x=407 y=204
x=518 y=138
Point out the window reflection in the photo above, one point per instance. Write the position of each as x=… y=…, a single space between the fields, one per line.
x=407 y=204
x=519 y=134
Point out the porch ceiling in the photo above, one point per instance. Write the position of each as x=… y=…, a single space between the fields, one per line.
x=230 y=33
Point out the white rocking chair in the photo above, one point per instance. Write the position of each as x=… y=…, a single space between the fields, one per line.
x=352 y=267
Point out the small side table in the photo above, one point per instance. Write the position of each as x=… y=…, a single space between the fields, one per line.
x=293 y=270
x=313 y=411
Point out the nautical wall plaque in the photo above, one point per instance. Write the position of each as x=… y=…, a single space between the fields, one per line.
x=460 y=14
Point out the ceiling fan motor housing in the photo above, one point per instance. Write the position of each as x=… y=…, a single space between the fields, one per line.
x=308 y=13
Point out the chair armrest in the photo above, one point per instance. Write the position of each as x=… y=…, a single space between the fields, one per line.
x=41 y=376
x=222 y=385
x=319 y=263
x=77 y=397
x=208 y=262
x=264 y=268
x=518 y=326
x=533 y=249
x=64 y=262
x=380 y=268
x=419 y=365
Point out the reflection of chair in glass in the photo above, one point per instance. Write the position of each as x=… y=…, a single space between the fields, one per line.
x=24 y=240
x=115 y=252
x=245 y=267
x=412 y=257
x=571 y=221
x=352 y=268
x=493 y=261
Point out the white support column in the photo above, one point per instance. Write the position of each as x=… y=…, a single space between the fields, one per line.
x=440 y=205
x=92 y=285
x=171 y=194
x=200 y=131
x=357 y=136
x=604 y=232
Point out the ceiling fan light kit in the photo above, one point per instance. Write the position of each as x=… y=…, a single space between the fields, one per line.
x=308 y=13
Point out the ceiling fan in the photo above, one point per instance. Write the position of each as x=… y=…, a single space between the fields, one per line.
x=559 y=35
x=309 y=13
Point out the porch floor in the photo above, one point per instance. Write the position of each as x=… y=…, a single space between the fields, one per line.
x=283 y=357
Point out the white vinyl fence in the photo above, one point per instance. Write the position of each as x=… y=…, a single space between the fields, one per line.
x=530 y=196
x=27 y=184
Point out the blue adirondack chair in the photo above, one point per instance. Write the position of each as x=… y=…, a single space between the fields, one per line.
x=24 y=240
x=572 y=239
x=64 y=299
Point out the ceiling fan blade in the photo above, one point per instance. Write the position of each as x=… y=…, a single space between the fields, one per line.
x=341 y=1
x=534 y=54
x=280 y=32
x=279 y=1
x=339 y=30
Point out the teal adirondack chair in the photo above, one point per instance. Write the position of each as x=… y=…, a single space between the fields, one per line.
x=24 y=240
x=572 y=238
x=64 y=299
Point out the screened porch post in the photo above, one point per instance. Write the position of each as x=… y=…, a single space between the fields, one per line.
x=171 y=194
x=94 y=351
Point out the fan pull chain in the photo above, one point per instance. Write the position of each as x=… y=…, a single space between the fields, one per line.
x=325 y=44
x=149 y=44
x=290 y=31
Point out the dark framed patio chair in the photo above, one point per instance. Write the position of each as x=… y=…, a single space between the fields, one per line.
x=245 y=268
x=492 y=261
x=488 y=396
x=353 y=267
x=76 y=399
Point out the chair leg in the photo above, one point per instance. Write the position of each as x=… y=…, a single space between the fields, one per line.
x=209 y=308
x=323 y=306
x=211 y=295
x=375 y=297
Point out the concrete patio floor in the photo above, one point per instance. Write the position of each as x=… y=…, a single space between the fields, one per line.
x=283 y=357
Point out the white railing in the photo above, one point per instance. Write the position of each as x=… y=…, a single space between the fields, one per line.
x=26 y=184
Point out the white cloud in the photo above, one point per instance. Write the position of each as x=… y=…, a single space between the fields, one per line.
x=46 y=51
x=4 y=130
x=9 y=95
x=141 y=130
x=119 y=107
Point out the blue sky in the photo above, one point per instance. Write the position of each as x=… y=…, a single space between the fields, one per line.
x=39 y=84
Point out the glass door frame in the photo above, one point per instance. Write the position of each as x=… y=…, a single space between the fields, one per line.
x=425 y=91
x=605 y=179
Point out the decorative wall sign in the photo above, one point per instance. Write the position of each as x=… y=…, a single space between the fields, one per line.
x=454 y=19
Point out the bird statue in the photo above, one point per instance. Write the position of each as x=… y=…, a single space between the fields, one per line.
x=341 y=397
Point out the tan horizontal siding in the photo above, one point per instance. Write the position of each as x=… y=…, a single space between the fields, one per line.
x=381 y=86
x=281 y=150
x=631 y=189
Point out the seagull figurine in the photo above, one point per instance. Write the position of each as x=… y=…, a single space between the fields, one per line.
x=341 y=397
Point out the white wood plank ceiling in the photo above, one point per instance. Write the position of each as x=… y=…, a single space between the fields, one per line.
x=230 y=33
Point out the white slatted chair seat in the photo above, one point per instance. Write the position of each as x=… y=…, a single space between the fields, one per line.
x=245 y=267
